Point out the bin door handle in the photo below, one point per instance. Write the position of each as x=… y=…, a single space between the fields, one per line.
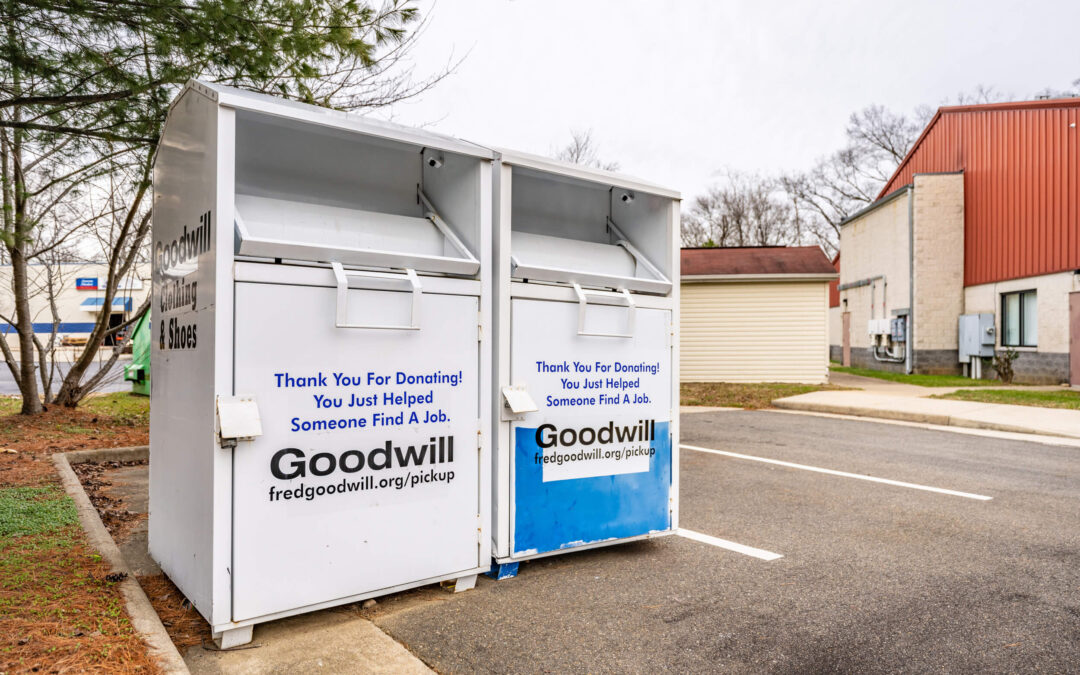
x=623 y=297
x=376 y=280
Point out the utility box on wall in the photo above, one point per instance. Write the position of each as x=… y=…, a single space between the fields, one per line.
x=321 y=364
x=586 y=370
x=977 y=336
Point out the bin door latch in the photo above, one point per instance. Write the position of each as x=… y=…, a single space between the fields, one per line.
x=516 y=403
x=375 y=280
x=623 y=298
x=238 y=419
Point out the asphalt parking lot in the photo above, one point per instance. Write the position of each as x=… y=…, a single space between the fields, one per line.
x=874 y=576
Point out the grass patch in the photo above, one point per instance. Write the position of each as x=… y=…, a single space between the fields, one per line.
x=1067 y=399
x=121 y=407
x=35 y=510
x=742 y=395
x=919 y=380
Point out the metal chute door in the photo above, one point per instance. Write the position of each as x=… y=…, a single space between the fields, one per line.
x=366 y=475
x=593 y=463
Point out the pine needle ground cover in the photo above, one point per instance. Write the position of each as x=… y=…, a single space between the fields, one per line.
x=60 y=610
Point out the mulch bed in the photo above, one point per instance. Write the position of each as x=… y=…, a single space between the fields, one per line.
x=60 y=609
x=64 y=613
x=183 y=622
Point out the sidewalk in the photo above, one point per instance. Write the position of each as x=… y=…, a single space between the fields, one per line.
x=890 y=400
x=339 y=639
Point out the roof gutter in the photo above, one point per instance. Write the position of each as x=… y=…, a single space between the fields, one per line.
x=899 y=192
x=733 y=278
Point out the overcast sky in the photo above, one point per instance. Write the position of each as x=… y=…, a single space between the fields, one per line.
x=675 y=91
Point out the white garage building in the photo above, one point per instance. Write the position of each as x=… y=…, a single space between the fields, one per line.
x=755 y=314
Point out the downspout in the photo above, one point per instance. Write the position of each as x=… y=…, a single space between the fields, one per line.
x=909 y=365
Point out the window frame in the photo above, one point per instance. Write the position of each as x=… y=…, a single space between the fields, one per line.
x=1020 y=322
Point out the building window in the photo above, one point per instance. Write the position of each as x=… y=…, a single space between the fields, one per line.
x=1019 y=319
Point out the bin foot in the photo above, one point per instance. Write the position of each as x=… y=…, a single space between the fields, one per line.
x=234 y=637
x=502 y=571
x=460 y=584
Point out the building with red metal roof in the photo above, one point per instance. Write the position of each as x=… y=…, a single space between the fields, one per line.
x=981 y=217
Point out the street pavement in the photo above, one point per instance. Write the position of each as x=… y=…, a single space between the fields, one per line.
x=873 y=578
x=114 y=381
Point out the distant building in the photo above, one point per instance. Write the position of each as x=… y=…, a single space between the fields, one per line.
x=755 y=314
x=981 y=217
x=79 y=295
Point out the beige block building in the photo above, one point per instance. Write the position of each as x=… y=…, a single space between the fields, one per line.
x=879 y=279
x=755 y=315
x=902 y=279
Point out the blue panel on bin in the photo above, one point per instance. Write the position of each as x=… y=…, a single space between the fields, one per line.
x=503 y=571
x=567 y=513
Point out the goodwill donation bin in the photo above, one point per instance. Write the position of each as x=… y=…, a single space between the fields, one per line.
x=320 y=360
x=587 y=359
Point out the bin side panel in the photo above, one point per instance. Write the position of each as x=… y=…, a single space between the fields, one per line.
x=594 y=462
x=353 y=487
x=182 y=336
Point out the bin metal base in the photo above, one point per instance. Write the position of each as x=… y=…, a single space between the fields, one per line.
x=232 y=633
x=233 y=637
x=502 y=560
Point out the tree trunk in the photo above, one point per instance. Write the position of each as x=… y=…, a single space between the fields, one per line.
x=24 y=324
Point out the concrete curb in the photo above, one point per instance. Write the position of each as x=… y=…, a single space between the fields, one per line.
x=143 y=616
x=906 y=416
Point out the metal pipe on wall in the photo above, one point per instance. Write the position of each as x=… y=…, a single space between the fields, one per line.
x=909 y=348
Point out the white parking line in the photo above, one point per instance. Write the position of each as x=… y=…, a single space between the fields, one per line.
x=845 y=474
x=729 y=545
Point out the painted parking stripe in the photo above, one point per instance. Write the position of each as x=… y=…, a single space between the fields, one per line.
x=729 y=545
x=845 y=474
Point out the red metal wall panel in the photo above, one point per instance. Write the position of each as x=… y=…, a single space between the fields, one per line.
x=834 y=285
x=1021 y=184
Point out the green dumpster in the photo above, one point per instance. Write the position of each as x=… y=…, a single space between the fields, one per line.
x=138 y=371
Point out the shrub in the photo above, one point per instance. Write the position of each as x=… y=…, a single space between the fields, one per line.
x=1003 y=364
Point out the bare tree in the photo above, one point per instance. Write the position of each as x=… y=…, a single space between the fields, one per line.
x=744 y=209
x=84 y=92
x=582 y=150
x=878 y=139
x=1051 y=92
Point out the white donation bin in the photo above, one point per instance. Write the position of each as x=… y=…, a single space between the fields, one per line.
x=586 y=373
x=320 y=358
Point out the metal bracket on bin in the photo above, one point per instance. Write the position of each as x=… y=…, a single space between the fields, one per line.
x=516 y=403
x=409 y=278
x=238 y=420
x=583 y=303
